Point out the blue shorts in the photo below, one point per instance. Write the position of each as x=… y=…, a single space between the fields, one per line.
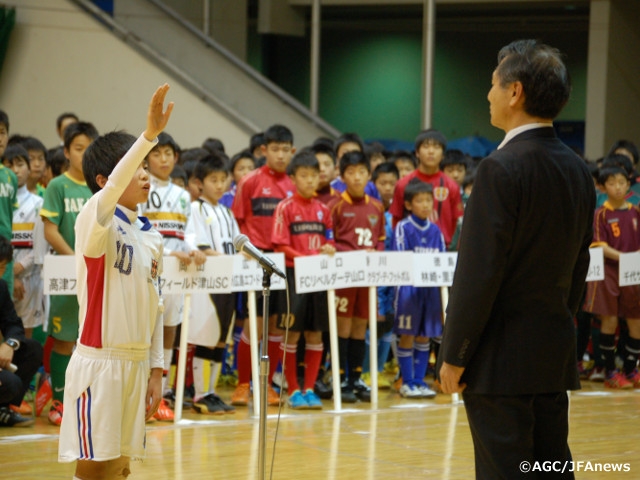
x=418 y=312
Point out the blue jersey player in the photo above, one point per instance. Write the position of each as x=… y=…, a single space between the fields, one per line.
x=418 y=311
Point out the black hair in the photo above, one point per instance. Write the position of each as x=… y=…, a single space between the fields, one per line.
x=166 y=139
x=76 y=129
x=6 y=250
x=608 y=171
x=304 y=158
x=194 y=154
x=626 y=145
x=178 y=172
x=373 y=148
x=353 y=158
x=213 y=145
x=4 y=119
x=242 y=154
x=324 y=142
x=348 y=138
x=215 y=162
x=189 y=166
x=56 y=160
x=403 y=155
x=384 y=167
x=619 y=160
x=64 y=115
x=322 y=147
x=542 y=73
x=415 y=187
x=430 y=134
x=256 y=140
x=32 y=143
x=102 y=156
x=278 y=134
x=454 y=157
x=14 y=151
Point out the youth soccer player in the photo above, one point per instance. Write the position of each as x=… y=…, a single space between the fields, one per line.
x=358 y=222
x=114 y=379
x=303 y=227
x=254 y=205
x=63 y=199
x=418 y=310
x=211 y=229
x=168 y=208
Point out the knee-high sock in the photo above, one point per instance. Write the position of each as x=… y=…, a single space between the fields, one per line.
x=275 y=354
x=384 y=345
x=607 y=351
x=355 y=358
x=290 y=353
x=405 y=363
x=198 y=377
x=420 y=361
x=632 y=350
x=58 y=365
x=312 y=360
x=244 y=360
x=166 y=368
x=343 y=349
x=214 y=373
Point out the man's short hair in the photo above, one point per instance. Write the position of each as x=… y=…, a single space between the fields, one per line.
x=215 y=162
x=278 y=134
x=385 y=167
x=76 y=129
x=431 y=134
x=353 y=158
x=304 y=158
x=542 y=73
x=415 y=187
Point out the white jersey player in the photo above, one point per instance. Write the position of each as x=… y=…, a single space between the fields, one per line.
x=28 y=242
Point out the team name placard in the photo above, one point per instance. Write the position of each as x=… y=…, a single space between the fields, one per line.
x=248 y=274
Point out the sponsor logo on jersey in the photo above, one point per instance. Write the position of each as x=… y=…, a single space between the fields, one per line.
x=320 y=215
x=373 y=220
x=307 y=227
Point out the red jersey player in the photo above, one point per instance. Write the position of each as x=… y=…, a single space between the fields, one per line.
x=358 y=222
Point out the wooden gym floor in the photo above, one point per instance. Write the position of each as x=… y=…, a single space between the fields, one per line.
x=408 y=439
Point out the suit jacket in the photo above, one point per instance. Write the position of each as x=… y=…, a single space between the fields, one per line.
x=10 y=323
x=522 y=264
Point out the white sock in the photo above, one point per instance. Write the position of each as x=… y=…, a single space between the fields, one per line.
x=168 y=353
x=198 y=377
x=216 y=368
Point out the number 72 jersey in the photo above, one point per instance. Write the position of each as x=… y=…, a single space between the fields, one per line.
x=358 y=224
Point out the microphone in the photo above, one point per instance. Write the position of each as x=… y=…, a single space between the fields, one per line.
x=242 y=244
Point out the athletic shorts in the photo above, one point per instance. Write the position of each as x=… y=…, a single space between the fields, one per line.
x=309 y=311
x=353 y=303
x=31 y=308
x=606 y=297
x=211 y=316
x=418 y=312
x=63 y=317
x=104 y=404
x=173 y=305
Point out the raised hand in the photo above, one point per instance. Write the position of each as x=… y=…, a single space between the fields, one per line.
x=157 y=116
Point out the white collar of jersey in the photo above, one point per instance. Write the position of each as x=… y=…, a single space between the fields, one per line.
x=129 y=216
x=157 y=181
x=22 y=190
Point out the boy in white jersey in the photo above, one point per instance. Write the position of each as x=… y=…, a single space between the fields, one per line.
x=114 y=377
x=27 y=238
x=211 y=229
x=168 y=208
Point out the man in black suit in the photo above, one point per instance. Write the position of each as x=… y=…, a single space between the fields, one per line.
x=16 y=350
x=509 y=342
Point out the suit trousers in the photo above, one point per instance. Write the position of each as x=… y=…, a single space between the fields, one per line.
x=512 y=432
x=28 y=359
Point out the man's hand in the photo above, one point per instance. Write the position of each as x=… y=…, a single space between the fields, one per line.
x=18 y=289
x=450 y=378
x=6 y=356
x=157 y=117
x=199 y=257
x=328 y=249
x=184 y=257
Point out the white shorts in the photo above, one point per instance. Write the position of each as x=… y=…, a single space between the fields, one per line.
x=173 y=305
x=31 y=308
x=204 y=325
x=104 y=405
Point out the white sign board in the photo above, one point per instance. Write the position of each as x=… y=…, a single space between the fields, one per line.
x=59 y=274
x=629 y=269
x=434 y=269
x=317 y=273
x=248 y=274
x=389 y=269
x=596 y=265
x=213 y=276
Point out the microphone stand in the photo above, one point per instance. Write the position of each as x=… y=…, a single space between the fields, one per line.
x=264 y=375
